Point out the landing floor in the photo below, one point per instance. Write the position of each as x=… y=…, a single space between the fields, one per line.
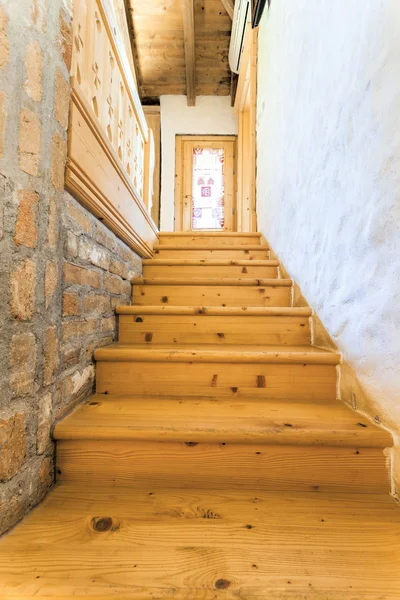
x=203 y=544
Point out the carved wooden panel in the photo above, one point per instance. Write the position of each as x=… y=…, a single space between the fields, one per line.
x=104 y=94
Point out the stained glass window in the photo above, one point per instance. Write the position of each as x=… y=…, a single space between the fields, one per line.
x=208 y=188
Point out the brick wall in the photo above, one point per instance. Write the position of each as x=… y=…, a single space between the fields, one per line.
x=61 y=271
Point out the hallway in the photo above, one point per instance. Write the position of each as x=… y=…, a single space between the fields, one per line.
x=200 y=326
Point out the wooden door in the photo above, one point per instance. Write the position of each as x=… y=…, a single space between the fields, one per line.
x=205 y=186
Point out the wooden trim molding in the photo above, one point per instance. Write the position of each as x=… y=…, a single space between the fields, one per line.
x=95 y=175
x=246 y=109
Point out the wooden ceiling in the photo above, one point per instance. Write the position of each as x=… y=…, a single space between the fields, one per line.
x=161 y=31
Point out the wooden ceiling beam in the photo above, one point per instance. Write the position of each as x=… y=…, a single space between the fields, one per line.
x=228 y=5
x=190 y=60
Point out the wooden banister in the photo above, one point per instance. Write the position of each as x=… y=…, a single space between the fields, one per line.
x=110 y=151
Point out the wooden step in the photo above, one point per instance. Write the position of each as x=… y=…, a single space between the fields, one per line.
x=211 y=353
x=330 y=469
x=212 y=291
x=207 y=325
x=215 y=371
x=240 y=421
x=196 y=251
x=219 y=268
x=182 y=544
x=209 y=238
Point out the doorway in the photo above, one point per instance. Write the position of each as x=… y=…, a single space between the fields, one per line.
x=205 y=186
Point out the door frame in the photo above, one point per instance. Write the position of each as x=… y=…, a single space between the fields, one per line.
x=183 y=173
x=246 y=109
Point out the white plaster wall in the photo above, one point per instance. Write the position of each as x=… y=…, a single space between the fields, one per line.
x=212 y=115
x=328 y=173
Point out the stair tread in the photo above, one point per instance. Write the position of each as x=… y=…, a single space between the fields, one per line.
x=213 y=352
x=251 y=311
x=219 y=281
x=220 y=420
x=210 y=262
x=137 y=544
x=219 y=234
x=207 y=247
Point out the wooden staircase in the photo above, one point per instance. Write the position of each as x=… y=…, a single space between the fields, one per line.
x=214 y=460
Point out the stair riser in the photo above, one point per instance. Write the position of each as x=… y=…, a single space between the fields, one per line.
x=210 y=295
x=222 y=466
x=185 y=329
x=286 y=381
x=242 y=272
x=217 y=240
x=223 y=254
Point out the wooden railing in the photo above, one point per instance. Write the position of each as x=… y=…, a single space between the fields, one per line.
x=110 y=151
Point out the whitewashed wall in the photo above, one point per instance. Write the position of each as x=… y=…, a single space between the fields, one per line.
x=328 y=173
x=212 y=115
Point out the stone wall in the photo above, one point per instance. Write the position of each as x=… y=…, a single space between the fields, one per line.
x=61 y=271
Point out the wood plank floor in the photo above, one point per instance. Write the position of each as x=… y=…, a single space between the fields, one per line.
x=202 y=545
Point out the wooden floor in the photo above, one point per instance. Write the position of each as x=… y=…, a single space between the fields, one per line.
x=202 y=544
x=215 y=460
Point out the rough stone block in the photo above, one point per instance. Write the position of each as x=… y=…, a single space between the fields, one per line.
x=91 y=347
x=52 y=223
x=71 y=304
x=50 y=355
x=104 y=237
x=88 y=251
x=97 y=304
x=34 y=70
x=115 y=285
x=79 y=220
x=79 y=382
x=39 y=14
x=50 y=282
x=71 y=245
x=70 y=356
x=22 y=283
x=26 y=229
x=58 y=160
x=30 y=138
x=12 y=445
x=119 y=268
x=46 y=474
x=108 y=324
x=23 y=363
x=75 y=274
x=61 y=99
x=44 y=423
x=4 y=43
x=65 y=38
x=77 y=329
